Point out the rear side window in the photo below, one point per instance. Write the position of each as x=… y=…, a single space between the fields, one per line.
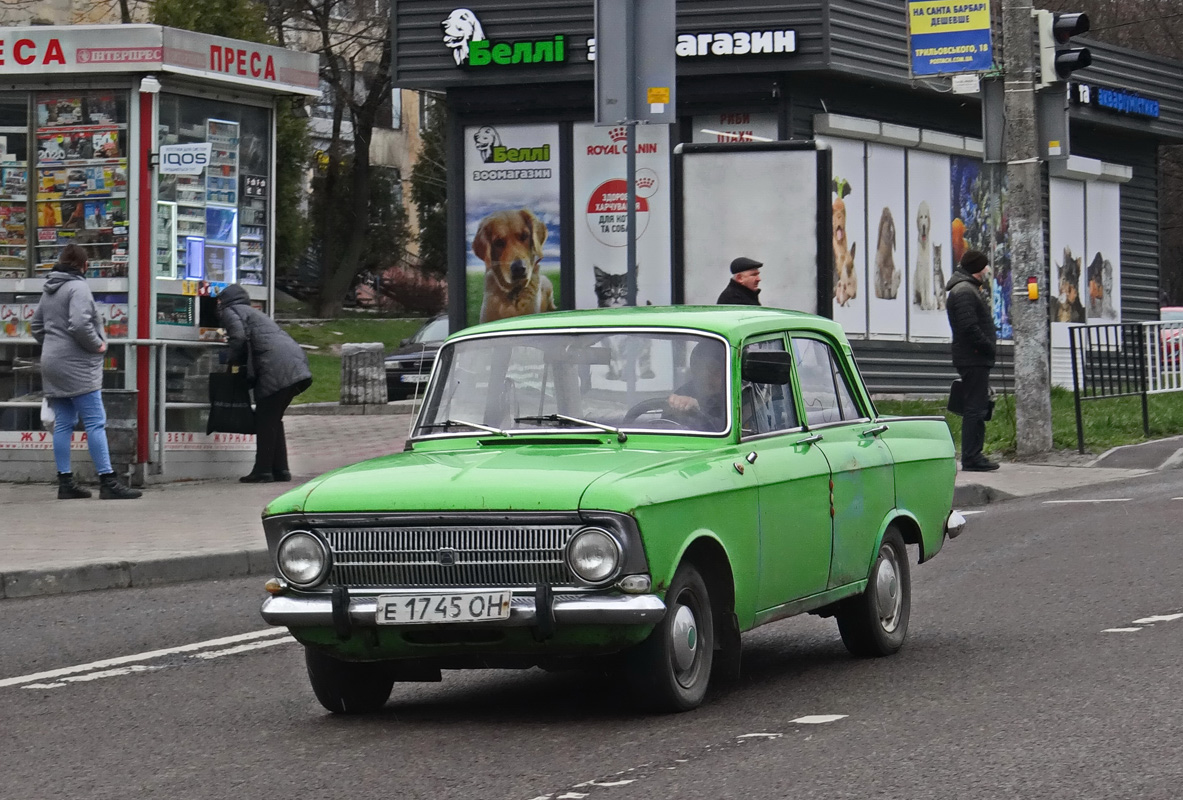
x=825 y=391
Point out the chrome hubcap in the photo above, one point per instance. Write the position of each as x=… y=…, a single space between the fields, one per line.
x=888 y=597
x=684 y=634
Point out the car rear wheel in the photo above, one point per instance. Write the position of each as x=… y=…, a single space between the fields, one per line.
x=671 y=669
x=875 y=623
x=348 y=687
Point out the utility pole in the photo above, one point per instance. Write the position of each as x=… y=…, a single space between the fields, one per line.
x=1022 y=149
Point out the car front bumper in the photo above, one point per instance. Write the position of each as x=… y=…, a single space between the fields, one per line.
x=295 y=611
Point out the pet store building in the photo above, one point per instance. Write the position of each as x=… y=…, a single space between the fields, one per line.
x=909 y=184
x=153 y=149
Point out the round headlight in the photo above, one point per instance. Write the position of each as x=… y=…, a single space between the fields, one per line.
x=302 y=558
x=594 y=555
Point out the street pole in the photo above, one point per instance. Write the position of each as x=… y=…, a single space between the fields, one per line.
x=1032 y=370
x=630 y=158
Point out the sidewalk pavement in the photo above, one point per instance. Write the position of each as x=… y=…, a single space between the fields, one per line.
x=210 y=529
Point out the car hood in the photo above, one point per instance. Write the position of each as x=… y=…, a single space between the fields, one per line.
x=414 y=352
x=509 y=477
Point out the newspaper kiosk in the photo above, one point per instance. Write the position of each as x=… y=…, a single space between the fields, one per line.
x=154 y=149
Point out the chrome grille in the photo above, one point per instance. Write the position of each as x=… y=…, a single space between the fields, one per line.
x=501 y=556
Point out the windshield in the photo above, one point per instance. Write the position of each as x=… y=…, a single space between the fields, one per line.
x=434 y=331
x=636 y=380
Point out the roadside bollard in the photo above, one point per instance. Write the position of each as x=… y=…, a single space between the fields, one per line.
x=363 y=374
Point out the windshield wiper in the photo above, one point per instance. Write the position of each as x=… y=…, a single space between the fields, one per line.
x=459 y=423
x=621 y=436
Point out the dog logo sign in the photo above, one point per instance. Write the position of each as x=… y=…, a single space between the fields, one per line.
x=460 y=29
x=486 y=139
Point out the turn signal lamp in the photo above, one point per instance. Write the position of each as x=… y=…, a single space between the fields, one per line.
x=275 y=586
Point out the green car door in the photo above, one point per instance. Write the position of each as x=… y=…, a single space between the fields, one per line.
x=860 y=465
x=793 y=478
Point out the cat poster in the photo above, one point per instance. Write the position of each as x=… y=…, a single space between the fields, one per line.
x=601 y=240
x=513 y=240
x=848 y=196
x=930 y=256
x=1103 y=269
x=1066 y=243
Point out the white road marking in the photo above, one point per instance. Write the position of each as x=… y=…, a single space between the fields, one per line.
x=1159 y=618
x=818 y=719
x=609 y=784
x=119 y=661
x=971 y=513
x=760 y=736
x=1087 y=500
x=244 y=648
x=1121 y=630
x=1177 y=498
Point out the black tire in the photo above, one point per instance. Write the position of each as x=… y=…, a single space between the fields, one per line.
x=670 y=671
x=348 y=687
x=875 y=623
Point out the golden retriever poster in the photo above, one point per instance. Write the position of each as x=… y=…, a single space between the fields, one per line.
x=848 y=197
x=512 y=228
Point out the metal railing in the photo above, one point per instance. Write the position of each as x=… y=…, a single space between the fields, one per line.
x=1164 y=356
x=1108 y=361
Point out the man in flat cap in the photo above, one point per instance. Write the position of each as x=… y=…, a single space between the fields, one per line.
x=744 y=287
x=974 y=339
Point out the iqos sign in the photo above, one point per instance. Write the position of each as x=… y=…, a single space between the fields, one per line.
x=184 y=159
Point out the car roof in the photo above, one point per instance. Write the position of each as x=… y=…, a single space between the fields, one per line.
x=735 y=323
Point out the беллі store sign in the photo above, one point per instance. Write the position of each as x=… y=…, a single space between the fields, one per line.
x=88 y=49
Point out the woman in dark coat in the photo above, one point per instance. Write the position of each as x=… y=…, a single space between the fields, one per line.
x=67 y=326
x=278 y=370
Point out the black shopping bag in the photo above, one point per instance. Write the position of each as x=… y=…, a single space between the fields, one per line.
x=230 y=402
x=956 y=403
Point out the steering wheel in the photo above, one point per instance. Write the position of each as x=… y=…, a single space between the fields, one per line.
x=643 y=407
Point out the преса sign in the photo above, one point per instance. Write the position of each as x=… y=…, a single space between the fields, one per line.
x=184 y=159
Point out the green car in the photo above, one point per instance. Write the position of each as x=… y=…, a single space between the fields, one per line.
x=625 y=488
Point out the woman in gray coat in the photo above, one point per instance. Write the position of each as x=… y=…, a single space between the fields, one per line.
x=67 y=326
x=278 y=370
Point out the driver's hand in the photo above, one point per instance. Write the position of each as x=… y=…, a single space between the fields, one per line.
x=681 y=402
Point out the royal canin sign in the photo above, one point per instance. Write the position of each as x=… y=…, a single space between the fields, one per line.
x=87 y=49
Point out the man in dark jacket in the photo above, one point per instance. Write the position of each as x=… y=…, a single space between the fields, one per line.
x=973 y=354
x=279 y=370
x=744 y=287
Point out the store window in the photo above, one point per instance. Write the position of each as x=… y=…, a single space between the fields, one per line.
x=213 y=226
x=14 y=182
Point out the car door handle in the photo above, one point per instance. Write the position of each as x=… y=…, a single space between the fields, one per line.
x=812 y=439
x=878 y=429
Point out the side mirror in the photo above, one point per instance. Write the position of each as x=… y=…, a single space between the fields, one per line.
x=404 y=342
x=767 y=366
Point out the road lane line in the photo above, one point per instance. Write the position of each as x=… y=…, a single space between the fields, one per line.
x=818 y=719
x=245 y=648
x=115 y=662
x=1121 y=630
x=1159 y=618
x=1088 y=500
x=971 y=513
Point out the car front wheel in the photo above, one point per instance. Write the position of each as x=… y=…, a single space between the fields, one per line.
x=348 y=687
x=875 y=622
x=670 y=670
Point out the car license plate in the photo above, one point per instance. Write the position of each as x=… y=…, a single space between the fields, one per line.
x=407 y=609
x=414 y=378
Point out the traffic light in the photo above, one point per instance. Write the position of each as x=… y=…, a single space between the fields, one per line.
x=1055 y=30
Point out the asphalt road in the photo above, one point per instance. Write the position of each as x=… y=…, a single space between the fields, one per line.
x=1042 y=662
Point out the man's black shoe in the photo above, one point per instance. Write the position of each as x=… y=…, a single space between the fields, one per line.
x=979 y=465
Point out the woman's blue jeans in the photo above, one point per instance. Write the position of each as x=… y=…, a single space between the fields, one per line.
x=66 y=413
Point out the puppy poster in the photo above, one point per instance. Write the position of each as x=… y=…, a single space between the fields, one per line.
x=511 y=214
x=887 y=228
x=929 y=248
x=601 y=212
x=848 y=193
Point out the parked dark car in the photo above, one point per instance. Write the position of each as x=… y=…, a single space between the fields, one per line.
x=409 y=367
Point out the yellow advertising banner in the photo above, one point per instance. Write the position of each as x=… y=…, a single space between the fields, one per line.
x=942 y=16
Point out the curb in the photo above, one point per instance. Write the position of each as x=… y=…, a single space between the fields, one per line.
x=969 y=495
x=134 y=574
x=336 y=409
